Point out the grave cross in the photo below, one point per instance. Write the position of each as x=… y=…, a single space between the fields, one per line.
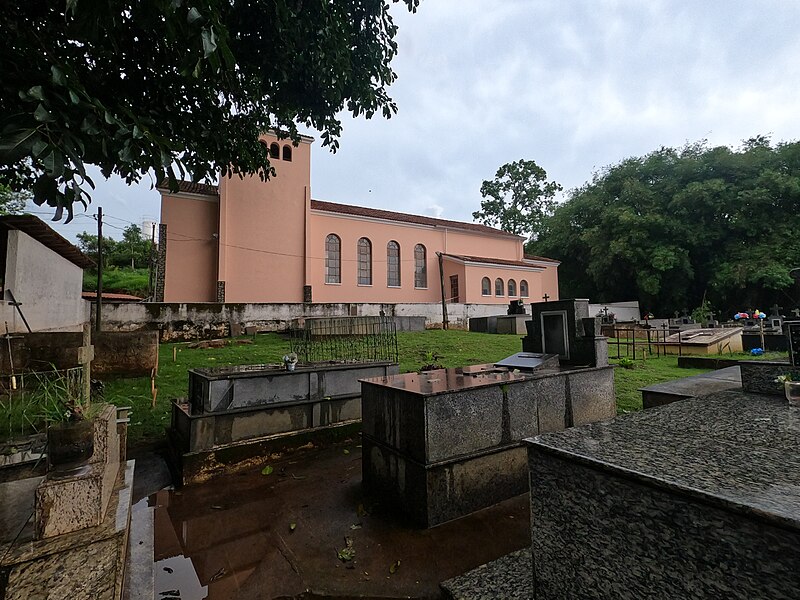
x=677 y=314
x=711 y=315
x=776 y=309
x=605 y=311
x=796 y=313
x=546 y=297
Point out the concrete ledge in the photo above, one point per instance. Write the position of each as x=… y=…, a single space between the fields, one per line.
x=509 y=577
x=198 y=467
x=667 y=392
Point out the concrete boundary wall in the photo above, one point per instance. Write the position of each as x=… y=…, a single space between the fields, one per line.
x=185 y=321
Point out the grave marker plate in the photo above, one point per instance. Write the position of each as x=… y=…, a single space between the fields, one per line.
x=793 y=332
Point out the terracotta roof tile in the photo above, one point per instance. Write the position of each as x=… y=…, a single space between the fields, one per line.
x=388 y=215
x=190 y=187
x=541 y=258
x=47 y=236
x=111 y=296
x=492 y=261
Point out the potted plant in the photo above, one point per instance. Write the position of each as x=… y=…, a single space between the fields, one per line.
x=791 y=389
x=290 y=361
x=69 y=418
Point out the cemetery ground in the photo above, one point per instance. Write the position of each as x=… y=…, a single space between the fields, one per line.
x=453 y=348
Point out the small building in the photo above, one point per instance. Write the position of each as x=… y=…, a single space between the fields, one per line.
x=43 y=274
x=248 y=240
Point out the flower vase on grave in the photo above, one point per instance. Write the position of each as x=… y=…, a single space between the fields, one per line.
x=792 y=391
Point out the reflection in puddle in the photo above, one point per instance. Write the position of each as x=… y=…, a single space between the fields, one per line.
x=177 y=575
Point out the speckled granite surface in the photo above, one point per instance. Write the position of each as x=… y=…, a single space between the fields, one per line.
x=508 y=577
x=697 y=499
x=82 y=565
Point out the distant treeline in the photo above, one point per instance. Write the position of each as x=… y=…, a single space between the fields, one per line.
x=679 y=225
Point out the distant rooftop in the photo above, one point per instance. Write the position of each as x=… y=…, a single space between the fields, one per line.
x=499 y=261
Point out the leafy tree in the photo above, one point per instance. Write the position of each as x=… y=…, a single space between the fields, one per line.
x=678 y=226
x=518 y=199
x=166 y=85
x=11 y=202
x=132 y=251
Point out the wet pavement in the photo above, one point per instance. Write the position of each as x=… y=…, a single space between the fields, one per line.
x=307 y=530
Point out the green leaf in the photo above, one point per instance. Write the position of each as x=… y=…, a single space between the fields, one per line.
x=39 y=146
x=36 y=92
x=346 y=451
x=53 y=164
x=42 y=115
x=74 y=97
x=394 y=567
x=267 y=470
x=194 y=16
x=209 y=41
x=292 y=526
x=58 y=76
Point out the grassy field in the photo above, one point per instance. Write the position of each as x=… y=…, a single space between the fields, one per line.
x=121 y=281
x=449 y=348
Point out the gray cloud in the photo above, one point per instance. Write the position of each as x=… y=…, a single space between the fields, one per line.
x=573 y=85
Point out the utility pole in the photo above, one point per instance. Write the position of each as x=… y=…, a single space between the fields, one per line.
x=445 y=324
x=151 y=260
x=99 y=307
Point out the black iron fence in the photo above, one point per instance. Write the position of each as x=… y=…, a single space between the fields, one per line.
x=346 y=339
x=643 y=342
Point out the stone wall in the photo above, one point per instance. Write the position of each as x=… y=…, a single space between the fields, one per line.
x=126 y=354
x=204 y=320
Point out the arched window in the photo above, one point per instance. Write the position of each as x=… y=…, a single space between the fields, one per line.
x=420 y=266
x=333 y=259
x=364 y=262
x=512 y=288
x=498 y=287
x=274 y=150
x=523 y=289
x=486 y=287
x=287 y=153
x=393 y=264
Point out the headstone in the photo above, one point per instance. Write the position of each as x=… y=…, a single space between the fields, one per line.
x=793 y=333
x=559 y=327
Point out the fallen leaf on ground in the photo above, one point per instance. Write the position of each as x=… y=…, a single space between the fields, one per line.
x=394 y=567
x=266 y=470
x=292 y=526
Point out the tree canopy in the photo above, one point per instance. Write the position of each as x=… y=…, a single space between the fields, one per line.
x=678 y=225
x=133 y=250
x=518 y=199
x=164 y=85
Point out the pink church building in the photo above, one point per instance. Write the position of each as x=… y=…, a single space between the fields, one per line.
x=247 y=240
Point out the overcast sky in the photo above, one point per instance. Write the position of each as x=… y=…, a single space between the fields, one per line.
x=574 y=85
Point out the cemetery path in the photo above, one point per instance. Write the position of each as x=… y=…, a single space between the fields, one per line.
x=305 y=529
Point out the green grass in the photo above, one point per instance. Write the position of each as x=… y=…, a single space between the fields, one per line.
x=450 y=349
x=653 y=370
x=121 y=281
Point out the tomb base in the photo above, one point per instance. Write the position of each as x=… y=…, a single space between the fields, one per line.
x=87 y=564
x=691 y=500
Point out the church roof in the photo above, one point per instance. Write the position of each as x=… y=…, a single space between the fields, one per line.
x=388 y=215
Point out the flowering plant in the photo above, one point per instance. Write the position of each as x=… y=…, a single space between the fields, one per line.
x=784 y=378
x=290 y=358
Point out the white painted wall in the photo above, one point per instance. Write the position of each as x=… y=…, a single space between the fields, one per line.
x=623 y=311
x=47 y=285
x=277 y=317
